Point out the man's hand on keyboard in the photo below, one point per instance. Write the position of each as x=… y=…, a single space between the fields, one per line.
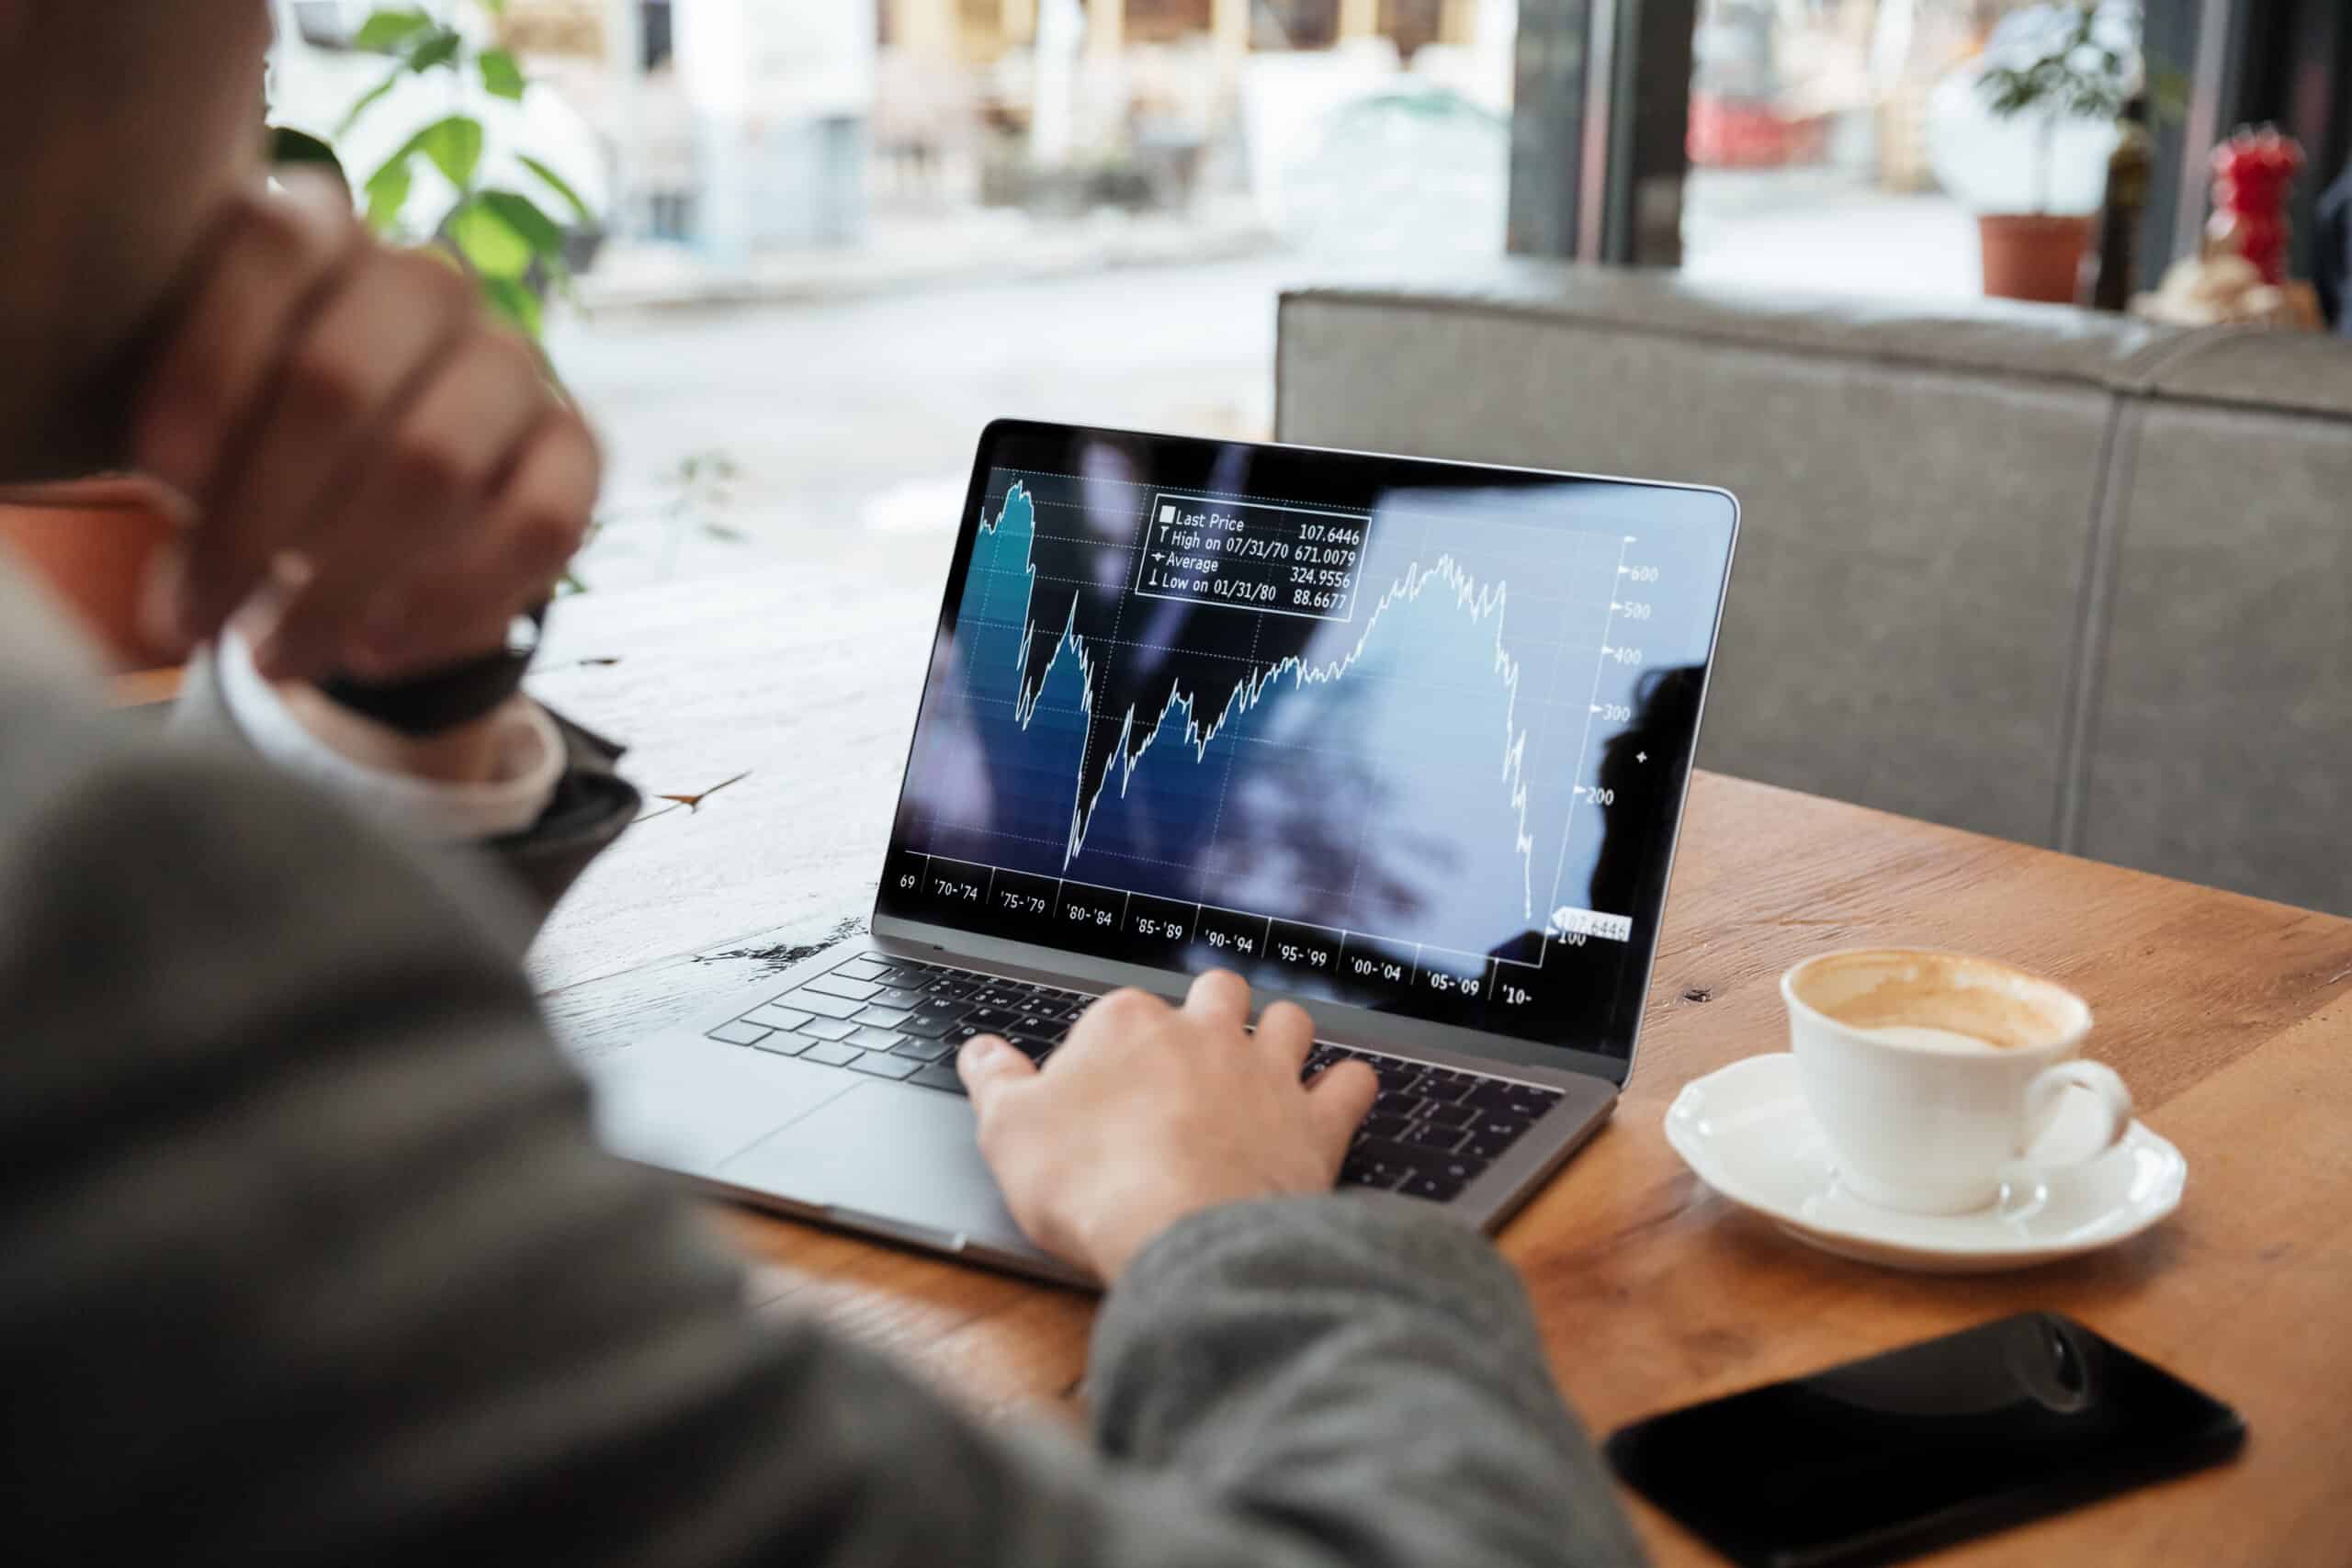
x=1150 y=1113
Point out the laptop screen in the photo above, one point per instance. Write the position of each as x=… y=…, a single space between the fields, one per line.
x=1380 y=734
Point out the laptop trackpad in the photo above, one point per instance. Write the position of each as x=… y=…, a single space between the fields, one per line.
x=909 y=1155
x=687 y=1104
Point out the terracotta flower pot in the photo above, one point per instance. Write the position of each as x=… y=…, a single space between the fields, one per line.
x=2033 y=255
x=91 y=542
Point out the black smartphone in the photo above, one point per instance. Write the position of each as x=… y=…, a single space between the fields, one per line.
x=1882 y=1459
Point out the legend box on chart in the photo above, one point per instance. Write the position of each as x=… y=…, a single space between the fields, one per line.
x=1247 y=555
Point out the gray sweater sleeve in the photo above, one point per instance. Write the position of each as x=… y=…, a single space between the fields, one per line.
x=307 y=1255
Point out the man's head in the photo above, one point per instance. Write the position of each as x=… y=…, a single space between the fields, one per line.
x=126 y=121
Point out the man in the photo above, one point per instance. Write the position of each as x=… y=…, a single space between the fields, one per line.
x=2332 y=254
x=306 y=1252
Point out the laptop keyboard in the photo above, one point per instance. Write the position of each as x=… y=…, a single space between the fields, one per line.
x=1431 y=1133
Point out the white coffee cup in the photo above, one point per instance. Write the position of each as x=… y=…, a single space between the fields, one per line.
x=1933 y=1074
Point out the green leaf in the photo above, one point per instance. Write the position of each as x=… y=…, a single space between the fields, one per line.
x=441 y=49
x=387 y=193
x=501 y=76
x=562 y=189
x=488 y=241
x=385 y=31
x=513 y=299
x=368 y=100
x=288 y=145
x=527 y=218
x=455 y=146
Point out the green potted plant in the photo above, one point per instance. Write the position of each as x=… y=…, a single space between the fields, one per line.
x=2080 y=74
x=502 y=233
x=90 y=542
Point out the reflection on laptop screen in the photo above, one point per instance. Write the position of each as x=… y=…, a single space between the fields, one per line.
x=1402 y=736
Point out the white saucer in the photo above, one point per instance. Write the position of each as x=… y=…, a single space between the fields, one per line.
x=1746 y=1133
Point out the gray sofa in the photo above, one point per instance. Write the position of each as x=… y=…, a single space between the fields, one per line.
x=2064 y=578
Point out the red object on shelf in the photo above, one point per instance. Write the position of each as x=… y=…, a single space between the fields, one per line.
x=1729 y=134
x=2254 y=173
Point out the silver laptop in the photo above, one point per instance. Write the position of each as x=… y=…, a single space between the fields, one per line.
x=1406 y=741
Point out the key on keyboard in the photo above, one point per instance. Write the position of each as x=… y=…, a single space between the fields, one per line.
x=837 y=985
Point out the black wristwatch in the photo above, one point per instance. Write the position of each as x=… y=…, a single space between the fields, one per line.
x=448 y=698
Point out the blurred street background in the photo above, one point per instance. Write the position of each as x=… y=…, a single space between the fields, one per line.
x=831 y=239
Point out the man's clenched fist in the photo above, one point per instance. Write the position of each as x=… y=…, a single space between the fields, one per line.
x=378 y=468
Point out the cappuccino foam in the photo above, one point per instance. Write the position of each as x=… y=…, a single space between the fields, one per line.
x=1946 y=1002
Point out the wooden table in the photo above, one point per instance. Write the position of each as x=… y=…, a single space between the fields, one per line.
x=2231 y=1018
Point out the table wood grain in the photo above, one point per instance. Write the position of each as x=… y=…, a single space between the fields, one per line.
x=2231 y=1018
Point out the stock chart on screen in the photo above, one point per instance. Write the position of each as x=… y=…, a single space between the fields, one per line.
x=1409 y=748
